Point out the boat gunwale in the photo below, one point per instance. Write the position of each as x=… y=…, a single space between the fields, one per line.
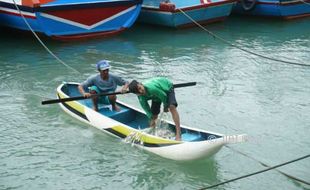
x=88 y=5
x=20 y=7
x=280 y=3
x=189 y=8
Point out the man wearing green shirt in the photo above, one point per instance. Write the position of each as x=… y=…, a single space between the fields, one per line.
x=159 y=90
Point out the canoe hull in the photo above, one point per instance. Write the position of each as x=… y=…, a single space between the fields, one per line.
x=167 y=148
x=189 y=150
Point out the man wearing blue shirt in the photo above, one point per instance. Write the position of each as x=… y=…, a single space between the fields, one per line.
x=104 y=82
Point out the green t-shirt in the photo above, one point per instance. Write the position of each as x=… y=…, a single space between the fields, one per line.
x=156 y=90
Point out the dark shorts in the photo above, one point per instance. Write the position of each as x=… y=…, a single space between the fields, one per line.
x=155 y=107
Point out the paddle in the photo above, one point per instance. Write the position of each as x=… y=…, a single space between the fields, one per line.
x=105 y=94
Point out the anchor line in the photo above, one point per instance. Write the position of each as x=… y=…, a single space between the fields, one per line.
x=238 y=46
x=258 y=172
x=41 y=42
x=265 y=165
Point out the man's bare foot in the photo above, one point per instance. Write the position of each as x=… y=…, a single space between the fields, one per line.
x=178 y=138
x=116 y=108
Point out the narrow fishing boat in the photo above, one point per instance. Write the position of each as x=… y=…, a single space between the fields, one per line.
x=286 y=9
x=130 y=123
x=180 y=14
x=70 y=19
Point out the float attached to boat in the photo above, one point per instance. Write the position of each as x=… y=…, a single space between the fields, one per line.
x=70 y=19
x=180 y=13
x=286 y=9
x=130 y=124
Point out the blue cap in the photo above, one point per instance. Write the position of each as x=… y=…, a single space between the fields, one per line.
x=103 y=65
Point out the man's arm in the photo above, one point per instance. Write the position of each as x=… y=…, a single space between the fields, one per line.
x=121 y=82
x=125 y=87
x=82 y=91
x=86 y=83
x=145 y=106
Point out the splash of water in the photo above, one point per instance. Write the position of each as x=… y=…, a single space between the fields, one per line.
x=134 y=138
x=162 y=129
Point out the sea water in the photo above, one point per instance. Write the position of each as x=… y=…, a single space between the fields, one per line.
x=41 y=147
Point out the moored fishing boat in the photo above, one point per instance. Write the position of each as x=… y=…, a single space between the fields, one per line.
x=70 y=19
x=287 y=9
x=178 y=13
x=130 y=123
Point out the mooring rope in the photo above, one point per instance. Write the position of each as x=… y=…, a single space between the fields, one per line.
x=41 y=42
x=258 y=172
x=238 y=47
x=265 y=165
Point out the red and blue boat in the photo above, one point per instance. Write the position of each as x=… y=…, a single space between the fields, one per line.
x=181 y=14
x=286 y=9
x=70 y=19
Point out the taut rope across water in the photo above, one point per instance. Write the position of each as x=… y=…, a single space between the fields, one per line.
x=238 y=47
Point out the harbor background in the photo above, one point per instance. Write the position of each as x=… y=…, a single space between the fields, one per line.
x=41 y=147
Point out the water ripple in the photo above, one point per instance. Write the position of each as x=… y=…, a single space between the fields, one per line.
x=42 y=147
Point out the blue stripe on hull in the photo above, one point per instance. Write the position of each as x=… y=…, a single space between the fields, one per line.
x=55 y=28
x=10 y=17
x=275 y=10
x=178 y=19
x=15 y=21
x=298 y=9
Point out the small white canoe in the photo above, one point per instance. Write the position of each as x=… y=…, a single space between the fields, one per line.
x=131 y=122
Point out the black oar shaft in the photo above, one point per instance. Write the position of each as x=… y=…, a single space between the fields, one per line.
x=78 y=98
x=184 y=84
x=105 y=94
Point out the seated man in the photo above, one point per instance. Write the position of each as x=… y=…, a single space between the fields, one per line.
x=103 y=82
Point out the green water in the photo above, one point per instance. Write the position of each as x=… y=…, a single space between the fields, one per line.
x=41 y=147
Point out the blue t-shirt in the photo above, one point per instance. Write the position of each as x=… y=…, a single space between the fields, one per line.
x=104 y=86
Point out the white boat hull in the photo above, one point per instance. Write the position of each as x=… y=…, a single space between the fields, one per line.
x=167 y=148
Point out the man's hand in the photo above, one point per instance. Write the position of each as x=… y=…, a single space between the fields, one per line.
x=86 y=95
x=124 y=88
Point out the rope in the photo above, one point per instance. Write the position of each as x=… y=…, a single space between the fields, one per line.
x=265 y=165
x=238 y=47
x=255 y=173
x=41 y=42
x=304 y=2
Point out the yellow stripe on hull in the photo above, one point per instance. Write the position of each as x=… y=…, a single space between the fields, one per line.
x=73 y=104
x=143 y=136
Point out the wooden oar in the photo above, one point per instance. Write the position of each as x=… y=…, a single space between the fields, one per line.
x=105 y=94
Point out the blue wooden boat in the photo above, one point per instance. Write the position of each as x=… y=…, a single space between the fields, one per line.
x=176 y=13
x=287 y=9
x=130 y=124
x=70 y=19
